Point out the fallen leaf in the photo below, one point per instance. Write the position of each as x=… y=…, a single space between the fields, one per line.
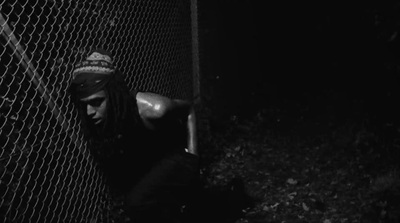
x=305 y=207
x=292 y=195
x=291 y=181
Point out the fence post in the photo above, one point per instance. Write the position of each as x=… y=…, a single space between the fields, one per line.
x=195 y=52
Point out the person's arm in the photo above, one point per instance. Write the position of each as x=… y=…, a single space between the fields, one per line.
x=192 y=133
x=154 y=107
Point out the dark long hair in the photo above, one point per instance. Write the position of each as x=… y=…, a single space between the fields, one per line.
x=121 y=114
x=122 y=111
x=121 y=125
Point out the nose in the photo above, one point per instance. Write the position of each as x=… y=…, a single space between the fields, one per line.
x=90 y=110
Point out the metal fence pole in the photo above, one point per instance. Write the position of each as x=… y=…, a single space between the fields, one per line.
x=195 y=51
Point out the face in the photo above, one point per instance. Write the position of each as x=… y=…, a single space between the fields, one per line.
x=95 y=106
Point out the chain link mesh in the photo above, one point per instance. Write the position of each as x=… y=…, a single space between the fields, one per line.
x=47 y=174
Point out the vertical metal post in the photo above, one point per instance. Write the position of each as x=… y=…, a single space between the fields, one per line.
x=196 y=75
x=195 y=51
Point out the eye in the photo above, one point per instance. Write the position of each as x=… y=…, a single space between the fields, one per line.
x=96 y=102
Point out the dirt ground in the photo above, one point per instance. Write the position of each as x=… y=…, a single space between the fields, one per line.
x=317 y=170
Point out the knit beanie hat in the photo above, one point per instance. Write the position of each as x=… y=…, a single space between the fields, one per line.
x=93 y=73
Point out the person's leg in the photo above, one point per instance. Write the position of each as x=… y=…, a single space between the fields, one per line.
x=161 y=193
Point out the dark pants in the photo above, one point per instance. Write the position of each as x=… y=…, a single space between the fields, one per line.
x=161 y=194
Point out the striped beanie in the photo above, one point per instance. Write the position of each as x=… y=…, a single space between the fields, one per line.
x=93 y=73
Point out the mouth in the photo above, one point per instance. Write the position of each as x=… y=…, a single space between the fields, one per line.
x=96 y=121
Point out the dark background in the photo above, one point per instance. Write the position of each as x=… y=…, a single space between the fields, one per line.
x=302 y=90
x=306 y=59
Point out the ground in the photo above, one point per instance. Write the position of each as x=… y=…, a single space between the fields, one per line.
x=311 y=171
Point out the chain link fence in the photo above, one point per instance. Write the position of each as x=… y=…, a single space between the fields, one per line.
x=47 y=173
